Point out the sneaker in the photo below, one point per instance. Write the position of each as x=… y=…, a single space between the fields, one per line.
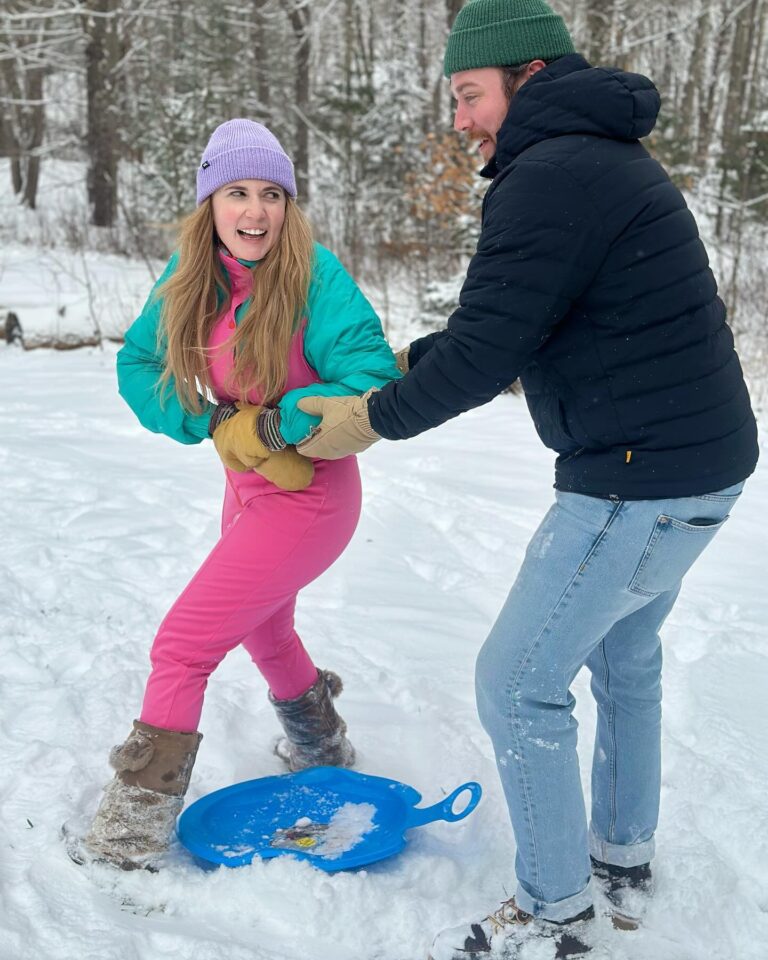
x=627 y=889
x=501 y=933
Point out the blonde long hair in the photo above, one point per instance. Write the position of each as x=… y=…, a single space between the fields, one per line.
x=197 y=292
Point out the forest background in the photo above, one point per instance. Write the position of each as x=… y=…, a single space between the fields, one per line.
x=119 y=97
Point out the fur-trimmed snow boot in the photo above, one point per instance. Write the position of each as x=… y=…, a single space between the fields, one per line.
x=133 y=825
x=315 y=735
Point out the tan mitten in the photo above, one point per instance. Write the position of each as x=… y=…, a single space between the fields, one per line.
x=287 y=469
x=237 y=441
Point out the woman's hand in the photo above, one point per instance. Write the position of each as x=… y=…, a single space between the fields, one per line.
x=237 y=440
x=240 y=447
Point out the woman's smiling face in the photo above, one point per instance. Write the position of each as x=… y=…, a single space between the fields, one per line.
x=248 y=216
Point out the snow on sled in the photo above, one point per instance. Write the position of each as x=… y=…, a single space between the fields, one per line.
x=334 y=818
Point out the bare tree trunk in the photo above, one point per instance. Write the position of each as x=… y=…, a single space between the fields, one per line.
x=351 y=219
x=599 y=23
x=16 y=178
x=101 y=56
x=23 y=123
x=735 y=142
x=261 y=60
x=737 y=78
x=755 y=58
x=687 y=114
x=35 y=127
x=9 y=135
x=452 y=8
x=300 y=17
x=424 y=64
x=441 y=102
x=707 y=105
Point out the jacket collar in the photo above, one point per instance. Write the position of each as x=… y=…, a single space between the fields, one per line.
x=239 y=272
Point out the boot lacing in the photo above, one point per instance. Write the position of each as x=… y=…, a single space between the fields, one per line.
x=508 y=914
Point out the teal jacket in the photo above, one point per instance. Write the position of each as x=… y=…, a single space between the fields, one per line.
x=343 y=342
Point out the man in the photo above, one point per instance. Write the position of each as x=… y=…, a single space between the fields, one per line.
x=591 y=284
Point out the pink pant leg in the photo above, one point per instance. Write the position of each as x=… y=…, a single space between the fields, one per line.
x=277 y=543
x=278 y=652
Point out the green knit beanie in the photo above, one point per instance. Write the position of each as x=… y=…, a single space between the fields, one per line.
x=505 y=33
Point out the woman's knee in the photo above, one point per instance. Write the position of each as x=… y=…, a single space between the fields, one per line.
x=174 y=650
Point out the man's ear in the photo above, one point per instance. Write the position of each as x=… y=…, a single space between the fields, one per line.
x=534 y=66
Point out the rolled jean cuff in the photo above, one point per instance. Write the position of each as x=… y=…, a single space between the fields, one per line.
x=621 y=854
x=560 y=910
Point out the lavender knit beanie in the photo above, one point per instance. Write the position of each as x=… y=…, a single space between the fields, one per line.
x=243 y=150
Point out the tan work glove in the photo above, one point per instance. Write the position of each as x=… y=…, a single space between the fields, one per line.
x=345 y=428
x=238 y=444
x=401 y=359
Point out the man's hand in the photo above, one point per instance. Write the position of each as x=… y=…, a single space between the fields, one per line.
x=401 y=359
x=345 y=428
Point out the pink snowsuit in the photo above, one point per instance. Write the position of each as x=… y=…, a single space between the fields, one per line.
x=272 y=544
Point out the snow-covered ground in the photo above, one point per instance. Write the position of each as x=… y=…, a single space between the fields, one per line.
x=63 y=293
x=102 y=523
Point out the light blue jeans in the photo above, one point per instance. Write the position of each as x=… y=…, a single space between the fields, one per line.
x=598 y=580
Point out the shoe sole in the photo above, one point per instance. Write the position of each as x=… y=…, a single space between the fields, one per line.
x=567 y=947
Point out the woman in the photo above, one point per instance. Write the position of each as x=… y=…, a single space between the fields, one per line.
x=249 y=311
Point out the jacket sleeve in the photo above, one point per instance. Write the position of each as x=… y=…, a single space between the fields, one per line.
x=343 y=342
x=540 y=245
x=421 y=347
x=140 y=364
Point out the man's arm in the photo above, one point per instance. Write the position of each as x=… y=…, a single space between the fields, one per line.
x=540 y=246
x=421 y=347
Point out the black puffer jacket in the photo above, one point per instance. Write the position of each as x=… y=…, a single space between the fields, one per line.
x=590 y=283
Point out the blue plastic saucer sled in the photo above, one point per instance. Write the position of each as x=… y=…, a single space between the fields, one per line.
x=334 y=818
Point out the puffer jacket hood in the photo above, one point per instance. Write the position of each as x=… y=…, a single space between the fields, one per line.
x=572 y=97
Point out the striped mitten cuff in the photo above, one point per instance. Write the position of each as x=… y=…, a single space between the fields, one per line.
x=221 y=413
x=268 y=429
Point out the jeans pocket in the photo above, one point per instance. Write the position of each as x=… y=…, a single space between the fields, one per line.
x=672 y=549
